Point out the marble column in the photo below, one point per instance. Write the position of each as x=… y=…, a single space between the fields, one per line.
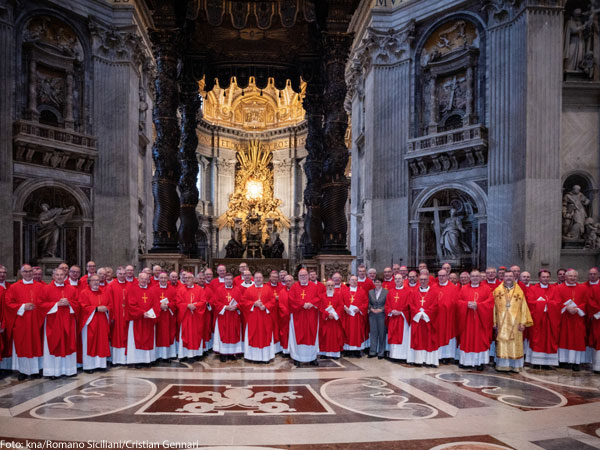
x=313 y=228
x=335 y=185
x=7 y=75
x=525 y=70
x=166 y=45
x=188 y=190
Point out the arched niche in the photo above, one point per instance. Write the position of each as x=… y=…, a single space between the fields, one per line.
x=578 y=211
x=449 y=224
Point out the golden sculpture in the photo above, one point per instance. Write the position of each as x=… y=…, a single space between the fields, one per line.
x=253 y=193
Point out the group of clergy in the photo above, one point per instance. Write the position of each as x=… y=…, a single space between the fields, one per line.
x=409 y=316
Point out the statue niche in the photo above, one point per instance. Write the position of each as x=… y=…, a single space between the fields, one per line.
x=580 y=51
x=253 y=213
x=578 y=225
x=448 y=229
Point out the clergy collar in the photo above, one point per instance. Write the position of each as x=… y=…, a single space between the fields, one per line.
x=221 y=280
x=163 y=286
x=256 y=285
x=73 y=283
x=361 y=280
x=272 y=285
x=129 y=279
x=143 y=287
x=330 y=294
x=443 y=284
x=593 y=283
x=189 y=287
x=315 y=281
x=508 y=287
x=401 y=286
x=59 y=285
x=28 y=282
x=3 y=284
x=570 y=285
x=388 y=280
x=121 y=282
x=247 y=284
x=491 y=282
x=228 y=287
x=421 y=289
x=337 y=287
x=543 y=286
x=474 y=285
x=103 y=284
x=411 y=285
x=303 y=285
x=95 y=290
x=526 y=284
x=155 y=279
x=353 y=288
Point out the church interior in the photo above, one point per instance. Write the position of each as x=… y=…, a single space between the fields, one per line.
x=326 y=135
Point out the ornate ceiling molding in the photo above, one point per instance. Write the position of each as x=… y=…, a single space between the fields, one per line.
x=117 y=45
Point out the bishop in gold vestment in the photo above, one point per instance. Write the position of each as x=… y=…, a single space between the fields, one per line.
x=511 y=316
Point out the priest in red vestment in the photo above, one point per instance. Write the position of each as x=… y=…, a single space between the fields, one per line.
x=364 y=282
x=226 y=301
x=446 y=319
x=23 y=319
x=594 y=326
x=166 y=325
x=191 y=309
x=388 y=279
x=142 y=311
x=475 y=322
x=242 y=268
x=544 y=306
x=574 y=298
x=211 y=284
x=354 y=317
x=398 y=319
x=94 y=323
x=491 y=278
x=331 y=333
x=90 y=268
x=276 y=287
x=258 y=303
x=314 y=278
x=119 y=325
x=59 y=309
x=284 y=315
x=303 y=300
x=423 y=309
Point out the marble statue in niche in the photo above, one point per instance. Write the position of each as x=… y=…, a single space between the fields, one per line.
x=452 y=243
x=51 y=220
x=580 y=38
x=574 y=213
x=592 y=234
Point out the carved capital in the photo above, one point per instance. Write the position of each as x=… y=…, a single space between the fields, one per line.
x=501 y=11
x=117 y=44
x=383 y=47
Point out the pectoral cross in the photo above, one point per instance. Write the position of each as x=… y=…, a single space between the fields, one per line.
x=396 y=297
x=144 y=297
x=228 y=297
x=123 y=304
x=303 y=295
x=192 y=298
x=351 y=299
x=162 y=295
x=475 y=297
x=422 y=300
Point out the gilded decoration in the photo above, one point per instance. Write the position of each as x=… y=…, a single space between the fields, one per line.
x=253 y=109
x=252 y=201
x=455 y=36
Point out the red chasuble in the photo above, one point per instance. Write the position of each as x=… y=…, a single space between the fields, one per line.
x=277 y=289
x=258 y=322
x=331 y=333
x=139 y=301
x=475 y=326
x=423 y=334
x=166 y=324
x=572 y=326
x=283 y=314
x=306 y=321
x=446 y=321
x=545 y=307
x=366 y=284
x=98 y=330
x=26 y=328
x=399 y=300
x=5 y=336
x=390 y=285
x=117 y=294
x=354 y=326
x=191 y=323
x=230 y=322
x=61 y=326
x=594 y=323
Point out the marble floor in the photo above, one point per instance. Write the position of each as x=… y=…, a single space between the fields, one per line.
x=342 y=404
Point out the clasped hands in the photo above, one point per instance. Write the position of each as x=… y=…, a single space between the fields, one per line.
x=102 y=309
x=309 y=305
x=259 y=304
x=472 y=305
x=63 y=302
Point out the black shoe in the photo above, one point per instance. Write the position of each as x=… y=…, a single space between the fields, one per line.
x=138 y=366
x=296 y=363
x=53 y=377
x=372 y=356
x=480 y=368
x=461 y=366
x=547 y=368
x=380 y=357
x=576 y=368
x=89 y=371
x=314 y=363
x=21 y=377
x=223 y=358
